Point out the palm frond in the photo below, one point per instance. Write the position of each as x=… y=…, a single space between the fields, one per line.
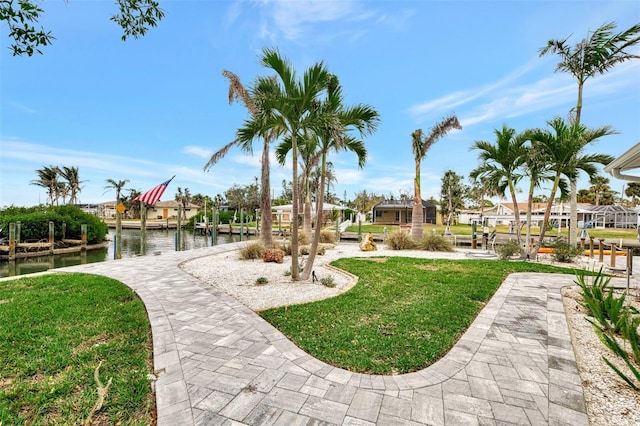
x=218 y=155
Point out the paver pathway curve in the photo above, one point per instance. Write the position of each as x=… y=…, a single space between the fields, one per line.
x=218 y=363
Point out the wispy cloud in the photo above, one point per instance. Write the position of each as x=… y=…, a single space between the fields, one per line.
x=510 y=97
x=198 y=151
x=22 y=108
x=464 y=97
x=309 y=20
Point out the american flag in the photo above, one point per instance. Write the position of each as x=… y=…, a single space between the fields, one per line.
x=153 y=195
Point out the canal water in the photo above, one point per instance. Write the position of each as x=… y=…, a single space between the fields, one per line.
x=156 y=241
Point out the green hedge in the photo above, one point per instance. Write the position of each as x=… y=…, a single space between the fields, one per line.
x=34 y=223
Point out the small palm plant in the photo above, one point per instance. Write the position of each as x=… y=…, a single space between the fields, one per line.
x=614 y=322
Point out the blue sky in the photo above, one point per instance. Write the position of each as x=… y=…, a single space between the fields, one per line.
x=148 y=109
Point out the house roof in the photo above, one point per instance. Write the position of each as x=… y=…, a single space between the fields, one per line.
x=628 y=161
x=400 y=204
x=325 y=207
x=173 y=203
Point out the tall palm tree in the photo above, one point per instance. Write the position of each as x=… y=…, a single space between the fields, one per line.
x=501 y=163
x=633 y=191
x=183 y=198
x=562 y=146
x=599 y=52
x=292 y=109
x=537 y=171
x=599 y=186
x=48 y=179
x=117 y=185
x=254 y=100
x=331 y=132
x=72 y=176
x=420 y=144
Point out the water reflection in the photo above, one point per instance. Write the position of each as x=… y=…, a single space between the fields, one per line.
x=156 y=241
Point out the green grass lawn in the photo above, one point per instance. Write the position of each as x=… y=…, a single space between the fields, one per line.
x=403 y=314
x=54 y=331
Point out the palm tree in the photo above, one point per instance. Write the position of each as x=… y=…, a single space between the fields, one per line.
x=500 y=165
x=254 y=100
x=117 y=185
x=48 y=179
x=633 y=191
x=71 y=175
x=309 y=157
x=599 y=186
x=420 y=144
x=563 y=148
x=331 y=128
x=183 y=198
x=598 y=53
x=537 y=171
x=292 y=107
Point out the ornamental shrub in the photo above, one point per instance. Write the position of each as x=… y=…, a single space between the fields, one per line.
x=563 y=251
x=508 y=249
x=435 y=243
x=34 y=223
x=254 y=250
x=400 y=240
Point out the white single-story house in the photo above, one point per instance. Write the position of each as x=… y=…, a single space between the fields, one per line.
x=169 y=210
x=282 y=214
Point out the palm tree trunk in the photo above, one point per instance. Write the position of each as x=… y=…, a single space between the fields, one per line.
x=573 y=215
x=516 y=213
x=295 y=268
x=547 y=212
x=266 y=231
x=306 y=227
x=417 y=210
x=527 y=243
x=308 y=267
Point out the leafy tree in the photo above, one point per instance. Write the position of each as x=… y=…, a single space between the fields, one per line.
x=452 y=195
x=420 y=144
x=364 y=201
x=132 y=208
x=501 y=163
x=598 y=53
x=135 y=17
x=48 y=179
x=243 y=197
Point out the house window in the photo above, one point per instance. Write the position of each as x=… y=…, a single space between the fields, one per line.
x=397 y=216
x=378 y=213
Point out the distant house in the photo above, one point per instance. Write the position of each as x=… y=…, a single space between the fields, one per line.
x=282 y=214
x=169 y=210
x=399 y=212
x=107 y=210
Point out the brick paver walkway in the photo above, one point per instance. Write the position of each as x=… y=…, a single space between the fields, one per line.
x=218 y=363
